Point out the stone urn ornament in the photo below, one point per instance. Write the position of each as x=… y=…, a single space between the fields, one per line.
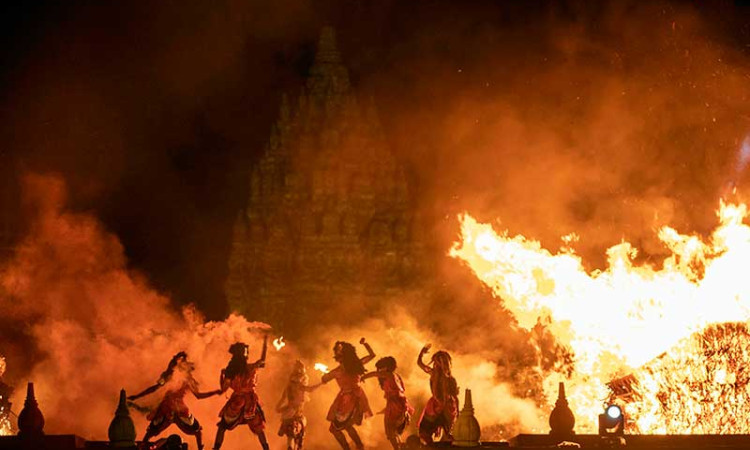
x=122 y=430
x=466 y=431
x=30 y=420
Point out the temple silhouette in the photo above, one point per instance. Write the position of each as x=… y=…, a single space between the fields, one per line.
x=330 y=214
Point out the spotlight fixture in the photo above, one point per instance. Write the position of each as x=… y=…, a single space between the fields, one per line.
x=612 y=422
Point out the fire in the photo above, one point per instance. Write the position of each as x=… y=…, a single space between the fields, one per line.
x=5 y=424
x=279 y=343
x=5 y=412
x=322 y=368
x=701 y=381
x=619 y=321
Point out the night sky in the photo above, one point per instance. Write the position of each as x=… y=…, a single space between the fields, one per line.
x=153 y=112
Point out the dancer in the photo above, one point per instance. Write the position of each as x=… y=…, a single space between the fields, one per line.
x=350 y=406
x=398 y=411
x=178 y=380
x=291 y=406
x=243 y=406
x=441 y=410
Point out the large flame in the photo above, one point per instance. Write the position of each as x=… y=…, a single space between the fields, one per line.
x=617 y=320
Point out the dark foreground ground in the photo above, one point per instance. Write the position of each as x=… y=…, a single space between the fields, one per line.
x=524 y=441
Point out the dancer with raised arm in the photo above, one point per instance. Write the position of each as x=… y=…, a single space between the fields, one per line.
x=441 y=410
x=243 y=406
x=350 y=406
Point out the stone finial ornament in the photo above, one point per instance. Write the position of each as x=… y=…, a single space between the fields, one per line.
x=561 y=419
x=122 y=430
x=466 y=431
x=30 y=420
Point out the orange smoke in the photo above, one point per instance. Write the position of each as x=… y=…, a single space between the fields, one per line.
x=97 y=326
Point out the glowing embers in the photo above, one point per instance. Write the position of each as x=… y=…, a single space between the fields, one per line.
x=6 y=428
x=612 y=421
x=322 y=368
x=699 y=386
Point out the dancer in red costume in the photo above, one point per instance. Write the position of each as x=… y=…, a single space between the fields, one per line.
x=350 y=406
x=441 y=410
x=291 y=406
x=397 y=411
x=243 y=406
x=178 y=380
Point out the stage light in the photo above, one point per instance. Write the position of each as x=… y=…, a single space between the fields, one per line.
x=612 y=422
x=614 y=412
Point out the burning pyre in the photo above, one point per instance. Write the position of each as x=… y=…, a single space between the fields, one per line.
x=702 y=382
x=664 y=340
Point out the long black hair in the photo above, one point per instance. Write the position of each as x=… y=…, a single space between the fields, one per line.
x=346 y=355
x=445 y=361
x=238 y=364
x=167 y=374
x=388 y=364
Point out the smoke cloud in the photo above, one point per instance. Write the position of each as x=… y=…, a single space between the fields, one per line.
x=606 y=121
x=97 y=326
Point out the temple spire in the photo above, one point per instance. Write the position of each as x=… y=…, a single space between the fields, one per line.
x=328 y=52
x=329 y=78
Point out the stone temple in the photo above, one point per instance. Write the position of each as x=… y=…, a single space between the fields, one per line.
x=330 y=216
